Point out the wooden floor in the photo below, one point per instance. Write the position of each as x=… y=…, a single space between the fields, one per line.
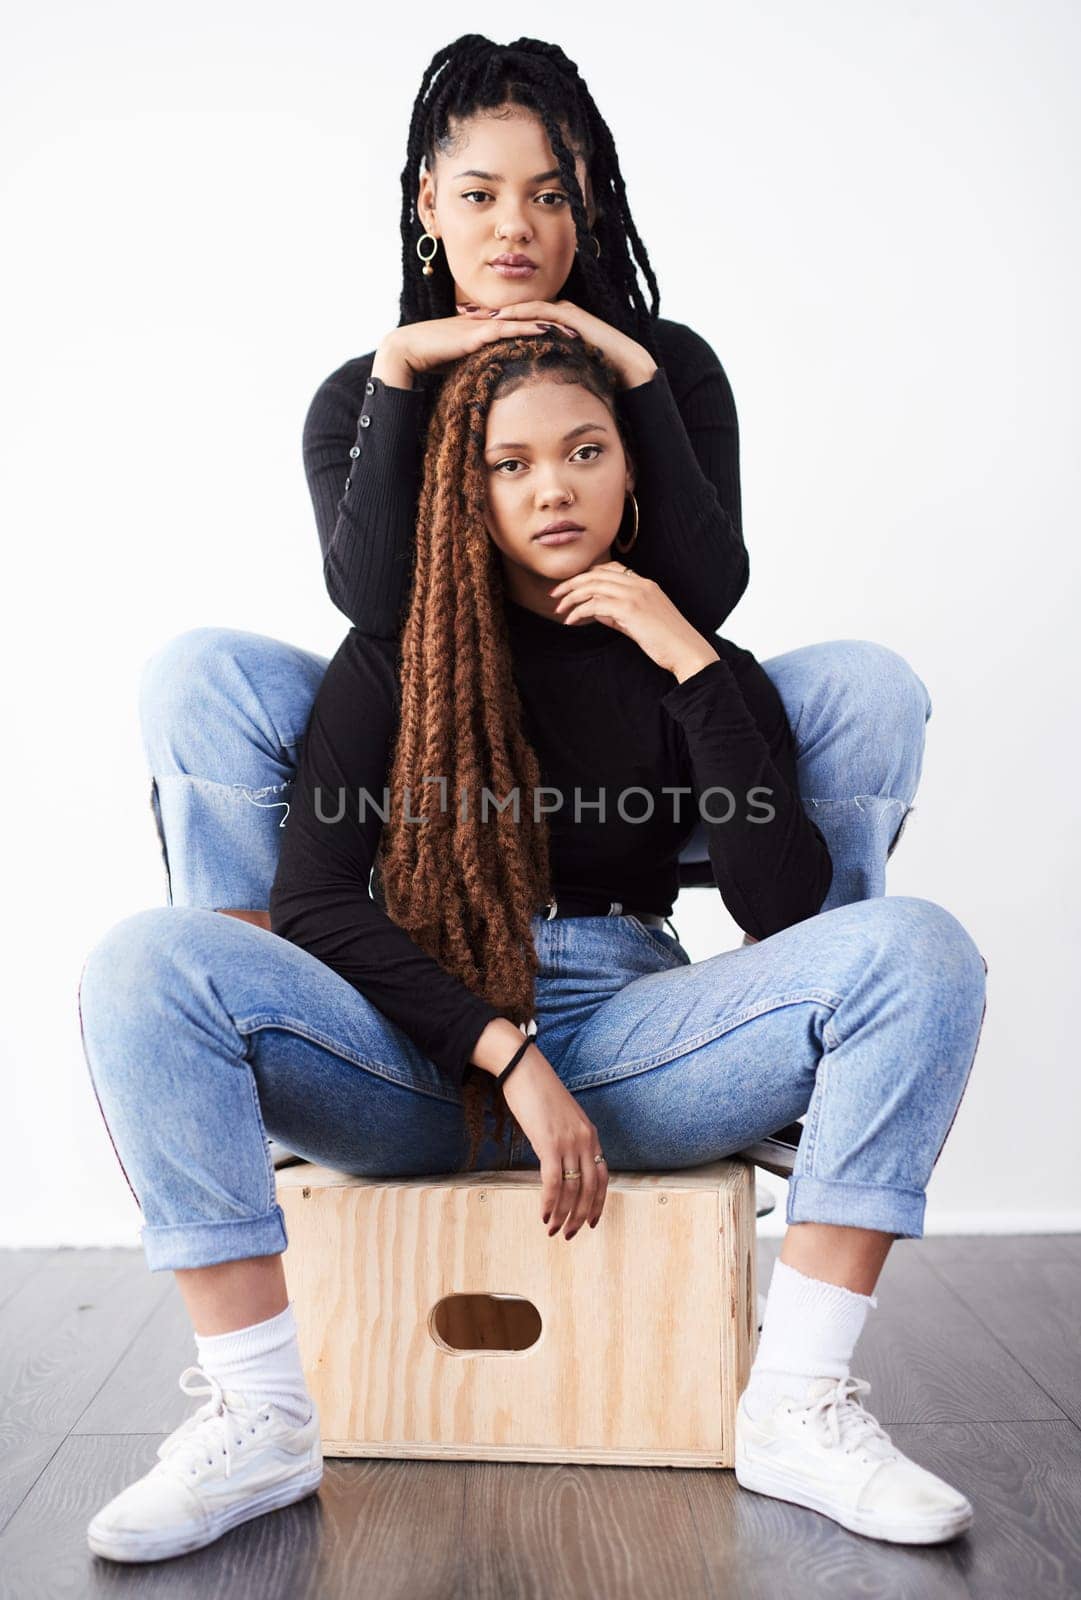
x=974 y=1355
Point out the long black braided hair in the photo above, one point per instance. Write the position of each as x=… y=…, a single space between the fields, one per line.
x=472 y=75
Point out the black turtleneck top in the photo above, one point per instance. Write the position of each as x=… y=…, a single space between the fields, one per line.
x=607 y=724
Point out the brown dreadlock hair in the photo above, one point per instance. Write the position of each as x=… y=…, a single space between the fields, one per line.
x=463 y=887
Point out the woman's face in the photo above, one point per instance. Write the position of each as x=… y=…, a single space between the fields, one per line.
x=499 y=194
x=552 y=454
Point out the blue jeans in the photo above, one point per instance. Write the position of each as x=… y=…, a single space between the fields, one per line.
x=865 y=1017
x=223 y=712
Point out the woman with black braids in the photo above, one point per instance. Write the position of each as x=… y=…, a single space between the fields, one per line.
x=514 y=215
x=484 y=838
x=520 y=199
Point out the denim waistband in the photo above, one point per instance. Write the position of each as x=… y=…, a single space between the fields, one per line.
x=586 y=906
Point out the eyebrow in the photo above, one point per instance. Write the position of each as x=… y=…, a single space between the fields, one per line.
x=497 y=177
x=583 y=427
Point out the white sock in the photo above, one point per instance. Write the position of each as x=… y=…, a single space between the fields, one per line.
x=809 y=1331
x=261 y=1362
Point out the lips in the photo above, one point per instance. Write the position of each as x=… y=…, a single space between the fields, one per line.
x=512 y=261
x=560 y=527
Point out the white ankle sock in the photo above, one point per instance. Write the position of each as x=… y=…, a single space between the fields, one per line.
x=261 y=1362
x=809 y=1331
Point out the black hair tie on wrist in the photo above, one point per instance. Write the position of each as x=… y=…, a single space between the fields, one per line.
x=520 y=1052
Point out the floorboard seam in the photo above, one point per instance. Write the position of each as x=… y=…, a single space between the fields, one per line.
x=60 y=1443
x=151 y=1314
x=1063 y=1415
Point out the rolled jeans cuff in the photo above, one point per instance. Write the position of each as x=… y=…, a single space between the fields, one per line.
x=857 y=1205
x=219 y=842
x=204 y=1244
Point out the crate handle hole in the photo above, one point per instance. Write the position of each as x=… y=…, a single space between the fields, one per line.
x=497 y=1323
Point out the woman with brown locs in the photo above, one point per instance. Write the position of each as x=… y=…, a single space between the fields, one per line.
x=495 y=614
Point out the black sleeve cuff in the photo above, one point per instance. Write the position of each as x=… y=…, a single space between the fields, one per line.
x=389 y=432
x=710 y=697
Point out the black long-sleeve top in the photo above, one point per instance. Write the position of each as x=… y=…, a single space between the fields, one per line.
x=601 y=716
x=363 y=450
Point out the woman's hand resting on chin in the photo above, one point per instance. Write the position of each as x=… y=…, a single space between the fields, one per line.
x=638 y=607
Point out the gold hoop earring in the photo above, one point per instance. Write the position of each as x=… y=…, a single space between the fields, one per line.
x=427 y=268
x=623 y=548
x=595 y=242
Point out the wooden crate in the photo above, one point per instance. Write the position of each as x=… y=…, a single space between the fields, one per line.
x=438 y=1319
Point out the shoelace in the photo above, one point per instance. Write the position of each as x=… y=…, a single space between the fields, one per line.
x=210 y=1430
x=849 y=1425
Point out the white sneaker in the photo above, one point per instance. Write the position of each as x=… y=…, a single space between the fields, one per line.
x=827 y=1452
x=227 y=1463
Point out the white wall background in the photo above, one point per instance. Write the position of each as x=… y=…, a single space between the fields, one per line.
x=871 y=212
